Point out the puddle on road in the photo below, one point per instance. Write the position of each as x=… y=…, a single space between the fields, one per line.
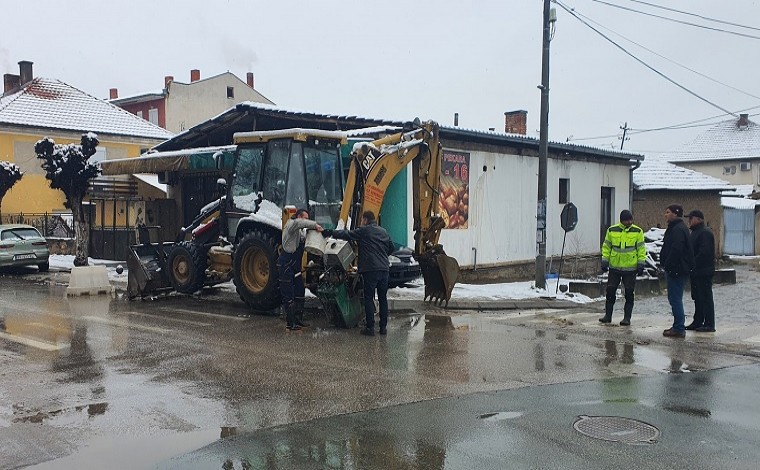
x=39 y=417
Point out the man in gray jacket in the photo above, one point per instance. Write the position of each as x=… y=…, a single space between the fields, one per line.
x=292 y=289
x=374 y=247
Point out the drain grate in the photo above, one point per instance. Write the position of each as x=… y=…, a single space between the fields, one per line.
x=617 y=429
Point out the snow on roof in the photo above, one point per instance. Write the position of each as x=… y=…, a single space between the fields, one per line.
x=656 y=173
x=151 y=180
x=50 y=103
x=738 y=203
x=726 y=140
x=369 y=131
x=739 y=190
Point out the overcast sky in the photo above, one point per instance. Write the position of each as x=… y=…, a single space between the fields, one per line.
x=402 y=59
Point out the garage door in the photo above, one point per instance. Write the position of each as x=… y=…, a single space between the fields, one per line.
x=740 y=231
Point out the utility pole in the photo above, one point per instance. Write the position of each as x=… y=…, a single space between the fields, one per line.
x=625 y=130
x=543 y=150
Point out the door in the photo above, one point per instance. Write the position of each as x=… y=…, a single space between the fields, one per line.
x=739 y=227
x=605 y=218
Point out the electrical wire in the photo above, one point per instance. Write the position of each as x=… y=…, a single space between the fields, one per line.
x=750 y=36
x=666 y=58
x=572 y=13
x=706 y=18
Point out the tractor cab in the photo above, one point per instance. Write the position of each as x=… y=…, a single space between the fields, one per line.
x=291 y=167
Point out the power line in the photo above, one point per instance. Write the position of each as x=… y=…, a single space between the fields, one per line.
x=706 y=18
x=666 y=58
x=675 y=20
x=572 y=13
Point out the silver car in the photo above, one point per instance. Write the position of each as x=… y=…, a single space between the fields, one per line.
x=22 y=245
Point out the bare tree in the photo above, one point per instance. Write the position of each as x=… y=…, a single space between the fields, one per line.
x=68 y=169
x=10 y=174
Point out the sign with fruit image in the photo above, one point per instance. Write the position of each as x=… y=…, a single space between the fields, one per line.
x=454 y=196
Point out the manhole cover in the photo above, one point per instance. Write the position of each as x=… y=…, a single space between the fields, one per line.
x=617 y=429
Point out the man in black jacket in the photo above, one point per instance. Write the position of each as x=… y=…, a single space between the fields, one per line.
x=703 y=243
x=677 y=260
x=374 y=247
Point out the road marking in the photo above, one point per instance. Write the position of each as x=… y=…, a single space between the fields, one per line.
x=159 y=317
x=126 y=324
x=45 y=346
x=205 y=314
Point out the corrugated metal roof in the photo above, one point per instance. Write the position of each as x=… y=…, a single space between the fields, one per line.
x=738 y=203
x=245 y=112
x=52 y=104
x=726 y=140
x=656 y=173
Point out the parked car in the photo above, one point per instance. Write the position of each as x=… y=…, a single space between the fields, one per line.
x=22 y=245
x=403 y=267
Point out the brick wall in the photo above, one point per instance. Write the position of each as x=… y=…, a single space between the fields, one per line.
x=649 y=209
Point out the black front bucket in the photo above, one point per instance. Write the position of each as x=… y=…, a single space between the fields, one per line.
x=440 y=273
x=146 y=266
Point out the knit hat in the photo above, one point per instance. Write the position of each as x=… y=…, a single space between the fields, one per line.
x=626 y=215
x=677 y=209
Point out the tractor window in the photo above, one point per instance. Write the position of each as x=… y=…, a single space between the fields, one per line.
x=324 y=182
x=296 y=190
x=275 y=171
x=247 y=179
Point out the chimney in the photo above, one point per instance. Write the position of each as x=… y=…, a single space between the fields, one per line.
x=249 y=79
x=743 y=121
x=113 y=93
x=168 y=79
x=195 y=75
x=516 y=122
x=456 y=119
x=25 y=72
x=10 y=82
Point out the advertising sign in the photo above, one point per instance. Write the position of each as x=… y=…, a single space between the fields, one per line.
x=454 y=197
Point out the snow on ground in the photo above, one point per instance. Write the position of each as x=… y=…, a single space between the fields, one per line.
x=414 y=291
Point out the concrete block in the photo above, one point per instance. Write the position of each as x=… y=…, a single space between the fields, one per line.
x=724 y=276
x=89 y=280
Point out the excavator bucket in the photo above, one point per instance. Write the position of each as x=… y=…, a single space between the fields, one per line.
x=440 y=273
x=146 y=269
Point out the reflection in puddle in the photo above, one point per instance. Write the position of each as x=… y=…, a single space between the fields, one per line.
x=39 y=417
x=500 y=415
x=687 y=410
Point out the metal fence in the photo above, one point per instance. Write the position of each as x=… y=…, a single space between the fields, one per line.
x=49 y=225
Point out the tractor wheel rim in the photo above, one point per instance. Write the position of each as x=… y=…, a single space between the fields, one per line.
x=255 y=269
x=180 y=269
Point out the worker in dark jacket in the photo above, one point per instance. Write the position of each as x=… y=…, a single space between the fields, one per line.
x=677 y=260
x=292 y=290
x=374 y=247
x=703 y=244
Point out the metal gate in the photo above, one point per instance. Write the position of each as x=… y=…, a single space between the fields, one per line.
x=739 y=227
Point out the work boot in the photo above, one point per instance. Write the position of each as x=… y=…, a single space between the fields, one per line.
x=299 y=306
x=626 y=321
x=606 y=318
x=290 y=310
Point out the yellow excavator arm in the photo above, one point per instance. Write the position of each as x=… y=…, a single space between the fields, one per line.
x=373 y=166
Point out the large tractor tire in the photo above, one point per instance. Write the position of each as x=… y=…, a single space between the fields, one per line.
x=187 y=267
x=254 y=267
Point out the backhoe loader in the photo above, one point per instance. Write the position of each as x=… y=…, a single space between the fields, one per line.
x=272 y=174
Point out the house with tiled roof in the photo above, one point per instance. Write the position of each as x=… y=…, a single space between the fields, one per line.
x=658 y=183
x=729 y=150
x=180 y=106
x=32 y=108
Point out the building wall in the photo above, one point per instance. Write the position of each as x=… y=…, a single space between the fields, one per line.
x=717 y=170
x=145 y=107
x=32 y=194
x=649 y=209
x=189 y=104
x=502 y=207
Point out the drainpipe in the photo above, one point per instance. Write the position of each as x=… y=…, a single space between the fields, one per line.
x=634 y=164
x=474 y=258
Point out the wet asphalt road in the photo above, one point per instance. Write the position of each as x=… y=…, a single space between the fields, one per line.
x=93 y=382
